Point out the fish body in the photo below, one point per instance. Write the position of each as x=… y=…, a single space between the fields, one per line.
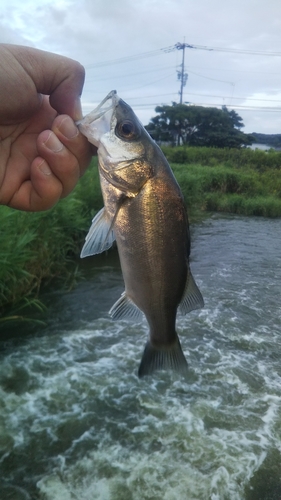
x=145 y=212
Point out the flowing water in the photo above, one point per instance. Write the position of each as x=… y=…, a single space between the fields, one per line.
x=77 y=424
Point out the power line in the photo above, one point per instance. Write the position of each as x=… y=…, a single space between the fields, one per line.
x=245 y=107
x=182 y=75
x=210 y=78
x=223 y=49
x=210 y=95
x=118 y=76
x=236 y=106
x=125 y=59
x=177 y=46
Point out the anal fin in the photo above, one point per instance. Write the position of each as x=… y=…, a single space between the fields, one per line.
x=192 y=298
x=125 y=308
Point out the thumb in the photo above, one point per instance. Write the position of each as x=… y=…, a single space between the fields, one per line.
x=40 y=72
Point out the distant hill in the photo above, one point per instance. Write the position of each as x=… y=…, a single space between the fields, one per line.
x=272 y=140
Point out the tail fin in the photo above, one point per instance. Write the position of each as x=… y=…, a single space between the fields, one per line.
x=162 y=358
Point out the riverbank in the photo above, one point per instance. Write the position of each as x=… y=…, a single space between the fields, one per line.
x=240 y=181
x=39 y=247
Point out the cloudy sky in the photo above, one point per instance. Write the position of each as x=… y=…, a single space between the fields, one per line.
x=129 y=45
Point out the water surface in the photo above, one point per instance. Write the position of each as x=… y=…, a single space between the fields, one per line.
x=77 y=423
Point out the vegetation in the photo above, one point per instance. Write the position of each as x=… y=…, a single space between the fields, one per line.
x=228 y=180
x=245 y=158
x=198 y=126
x=225 y=189
x=39 y=247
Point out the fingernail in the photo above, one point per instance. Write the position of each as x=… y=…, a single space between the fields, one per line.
x=45 y=169
x=53 y=143
x=77 y=110
x=68 y=128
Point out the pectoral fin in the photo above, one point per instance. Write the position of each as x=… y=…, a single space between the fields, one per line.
x=100 y=236
x=125 y=308
x=192 y=298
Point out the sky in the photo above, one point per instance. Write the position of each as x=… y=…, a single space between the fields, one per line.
x=233 y=56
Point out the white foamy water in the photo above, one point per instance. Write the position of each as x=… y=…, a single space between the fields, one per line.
x=77 y=423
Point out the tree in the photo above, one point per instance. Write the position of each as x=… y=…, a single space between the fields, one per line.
x=198 y=126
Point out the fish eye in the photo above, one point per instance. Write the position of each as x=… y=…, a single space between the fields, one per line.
x=127 y=130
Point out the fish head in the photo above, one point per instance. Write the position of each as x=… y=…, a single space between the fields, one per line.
x=114 y=127
x=122 y=143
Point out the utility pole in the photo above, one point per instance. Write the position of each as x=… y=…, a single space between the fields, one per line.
x=182 y=76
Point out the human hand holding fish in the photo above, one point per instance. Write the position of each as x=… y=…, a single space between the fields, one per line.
x=42 y=155
x=42 y=152
x=144 y=212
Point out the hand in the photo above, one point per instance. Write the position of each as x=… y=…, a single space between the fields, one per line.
x=42 y=152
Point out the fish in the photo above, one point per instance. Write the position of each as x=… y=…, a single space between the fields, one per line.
x=145 y=214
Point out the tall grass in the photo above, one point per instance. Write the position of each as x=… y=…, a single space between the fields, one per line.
x=223 y=188
x=38 y=247
x=237 y=158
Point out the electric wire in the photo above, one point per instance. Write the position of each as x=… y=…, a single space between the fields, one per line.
x=153 y=53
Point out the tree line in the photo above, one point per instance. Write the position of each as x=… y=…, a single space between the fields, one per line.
x=181 y=124
x=272 y=140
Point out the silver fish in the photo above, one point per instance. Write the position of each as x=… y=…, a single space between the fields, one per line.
x=145 y=212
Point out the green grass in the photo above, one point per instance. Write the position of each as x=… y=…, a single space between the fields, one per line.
x=227 y=189
x=235 y=158
x=37 y=248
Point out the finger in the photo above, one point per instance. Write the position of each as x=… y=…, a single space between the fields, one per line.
x=62 y=162
x=57 y=76
x=41 y=192
x=67 y=132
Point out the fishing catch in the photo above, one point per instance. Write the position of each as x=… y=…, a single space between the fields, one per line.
x=145 y=213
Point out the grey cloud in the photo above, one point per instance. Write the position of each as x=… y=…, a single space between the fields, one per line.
x=92 y=32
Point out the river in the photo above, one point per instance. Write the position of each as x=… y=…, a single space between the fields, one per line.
x=76 y=423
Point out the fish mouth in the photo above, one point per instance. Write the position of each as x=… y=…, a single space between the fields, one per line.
x=107 y=104
x=98 y=121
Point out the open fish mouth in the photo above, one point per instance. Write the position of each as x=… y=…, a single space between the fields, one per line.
x=107 y=104
x=98 y=122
